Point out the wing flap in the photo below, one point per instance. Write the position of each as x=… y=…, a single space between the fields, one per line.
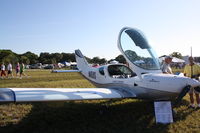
x=55 y=94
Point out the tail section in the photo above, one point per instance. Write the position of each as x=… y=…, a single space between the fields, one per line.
x=89 y=72
x=82 y=64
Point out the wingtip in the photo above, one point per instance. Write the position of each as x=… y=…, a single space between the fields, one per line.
x=7 y=95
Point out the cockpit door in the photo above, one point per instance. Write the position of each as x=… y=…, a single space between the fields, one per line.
x=137 y=52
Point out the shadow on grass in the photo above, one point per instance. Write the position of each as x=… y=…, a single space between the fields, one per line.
x=183 y=110
x=110 y=116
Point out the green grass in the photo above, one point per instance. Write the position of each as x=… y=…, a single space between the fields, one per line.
x=98 y=116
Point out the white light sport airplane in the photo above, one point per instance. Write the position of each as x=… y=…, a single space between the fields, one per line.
x=143 y=80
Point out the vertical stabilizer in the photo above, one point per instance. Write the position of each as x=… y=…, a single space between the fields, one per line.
x=82 y=64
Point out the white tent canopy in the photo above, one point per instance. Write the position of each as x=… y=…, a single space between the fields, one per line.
x=175 y=60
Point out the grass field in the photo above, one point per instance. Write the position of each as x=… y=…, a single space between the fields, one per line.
x=96 y=116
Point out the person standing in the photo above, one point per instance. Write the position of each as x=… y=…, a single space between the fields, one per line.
x=22 y=67
x=192 y=70
x=166 y=65
x=17 y=69
x=3 y=70
x=9 y=68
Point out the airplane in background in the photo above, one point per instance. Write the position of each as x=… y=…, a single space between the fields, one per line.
x=143 y=79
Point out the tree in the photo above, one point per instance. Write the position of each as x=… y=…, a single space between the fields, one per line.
x=24 y=60
x=11 y=58
x=69 y=57
x=56 y=57
x=88 y=59
x=53 y=61
x=7 y=56
x=72 y=57
x=102 y=61
x=177 y=55
x=120 y=59
x=4 y=53
x=95 y=60
x=45 y=58
x=33 y=58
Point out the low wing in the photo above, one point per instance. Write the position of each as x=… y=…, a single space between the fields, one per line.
x=56 y=94
x=64 y=71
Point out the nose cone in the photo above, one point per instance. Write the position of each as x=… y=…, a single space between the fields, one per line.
x=168 y=82
x=193 y=82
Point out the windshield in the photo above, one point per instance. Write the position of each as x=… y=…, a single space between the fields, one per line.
x=137 y=50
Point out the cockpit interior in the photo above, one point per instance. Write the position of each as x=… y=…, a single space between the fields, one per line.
x=120 y=71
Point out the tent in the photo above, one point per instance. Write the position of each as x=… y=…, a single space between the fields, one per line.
x=175 y=60
x=66 y=63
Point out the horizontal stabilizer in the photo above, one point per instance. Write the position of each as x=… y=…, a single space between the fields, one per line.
x=64 y=71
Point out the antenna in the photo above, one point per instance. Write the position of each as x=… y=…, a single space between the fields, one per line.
x=190 y=63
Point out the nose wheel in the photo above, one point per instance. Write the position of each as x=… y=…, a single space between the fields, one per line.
x=182 y=94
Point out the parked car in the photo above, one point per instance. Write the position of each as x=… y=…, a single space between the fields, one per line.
x=50 y=66
x=36 y=66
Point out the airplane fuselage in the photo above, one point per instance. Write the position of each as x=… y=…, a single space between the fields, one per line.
x=152 y=86
x=143 y=78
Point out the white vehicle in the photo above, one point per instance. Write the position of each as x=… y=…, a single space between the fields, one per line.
x=36 y=66
x=143 y=80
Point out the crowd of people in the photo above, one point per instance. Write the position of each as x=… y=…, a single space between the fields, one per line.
x=7 y=70
x=191 y=70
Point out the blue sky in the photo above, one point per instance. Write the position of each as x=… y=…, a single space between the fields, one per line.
x=93 y=25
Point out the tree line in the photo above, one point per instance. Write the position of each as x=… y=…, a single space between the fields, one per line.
x=8 y=56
